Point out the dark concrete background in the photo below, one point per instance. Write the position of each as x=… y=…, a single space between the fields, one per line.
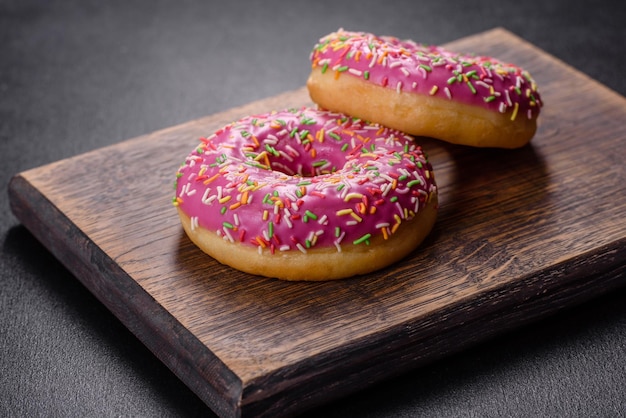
x=78 y=75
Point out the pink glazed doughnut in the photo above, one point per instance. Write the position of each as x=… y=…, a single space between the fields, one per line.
x=425 y=90
x=305 y=194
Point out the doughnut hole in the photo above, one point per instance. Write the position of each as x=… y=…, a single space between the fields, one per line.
x=286 y=158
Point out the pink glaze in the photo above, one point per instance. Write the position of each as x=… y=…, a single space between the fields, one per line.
x=303 y=178
x=410 y=67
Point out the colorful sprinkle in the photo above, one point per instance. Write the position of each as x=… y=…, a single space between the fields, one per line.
x=278 y=186
x=397 y=64
x=364 y=239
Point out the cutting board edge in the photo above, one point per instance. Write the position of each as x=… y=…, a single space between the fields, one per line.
x=606 y=273
x=126 y=299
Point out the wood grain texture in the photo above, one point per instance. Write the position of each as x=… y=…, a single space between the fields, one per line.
x=520 y=234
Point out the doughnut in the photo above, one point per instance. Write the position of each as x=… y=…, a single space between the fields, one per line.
x=306 y=194
x=424 y=90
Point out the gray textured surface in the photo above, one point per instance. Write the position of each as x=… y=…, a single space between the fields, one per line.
x=78 y=75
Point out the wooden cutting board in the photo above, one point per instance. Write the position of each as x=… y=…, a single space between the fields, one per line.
x=520 y=234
